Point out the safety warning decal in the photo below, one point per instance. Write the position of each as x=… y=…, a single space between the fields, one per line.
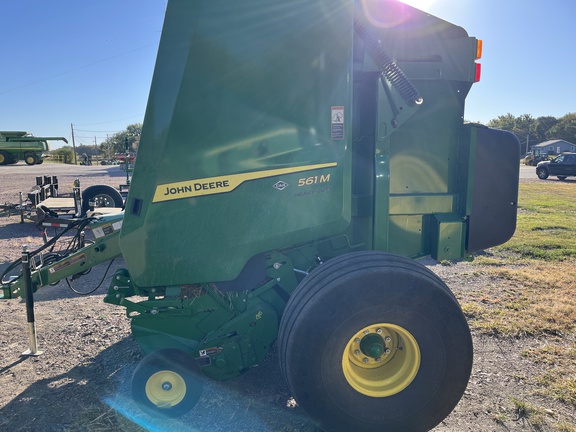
x=67 y=263
x=223 y=184
x=337 y=123
x=106 y=229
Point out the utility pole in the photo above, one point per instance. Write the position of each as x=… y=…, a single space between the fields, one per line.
x=73 y=144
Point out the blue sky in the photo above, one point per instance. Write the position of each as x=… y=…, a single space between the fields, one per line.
x=85 y=62
x=528 y=62
x=90 y=63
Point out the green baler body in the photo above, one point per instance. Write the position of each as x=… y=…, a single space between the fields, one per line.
x=273 y=141
x=267 y=128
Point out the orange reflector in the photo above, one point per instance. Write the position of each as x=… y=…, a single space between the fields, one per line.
x=478 y=72
x=478 y=49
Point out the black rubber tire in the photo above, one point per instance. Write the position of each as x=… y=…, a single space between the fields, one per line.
x=5 y=158
x=177 y=364
x=349 y=293
x=104 y=195
x=40 y=161
x=30 y=159
x=562 y=177
x=542 y=173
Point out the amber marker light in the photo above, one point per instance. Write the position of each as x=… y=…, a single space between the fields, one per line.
x=478 y=49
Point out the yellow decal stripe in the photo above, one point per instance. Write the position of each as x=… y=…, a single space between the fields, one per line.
x=222 y=184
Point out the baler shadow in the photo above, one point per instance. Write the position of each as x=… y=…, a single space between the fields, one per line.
x=66 y=400
x=97 y=393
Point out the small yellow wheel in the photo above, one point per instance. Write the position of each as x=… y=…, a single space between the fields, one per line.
x=167 y=383
x=381 y=360
x=165 y=389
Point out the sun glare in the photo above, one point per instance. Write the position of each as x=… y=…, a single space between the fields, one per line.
x=424 y=5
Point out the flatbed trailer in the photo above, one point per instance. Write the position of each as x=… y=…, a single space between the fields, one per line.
x=46 y=207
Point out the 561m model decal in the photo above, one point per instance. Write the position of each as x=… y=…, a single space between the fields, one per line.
x=222 y=184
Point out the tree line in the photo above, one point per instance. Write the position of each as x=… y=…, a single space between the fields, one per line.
x=108 y=148
x=531 y=131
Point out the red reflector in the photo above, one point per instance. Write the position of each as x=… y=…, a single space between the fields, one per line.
x=478 y=72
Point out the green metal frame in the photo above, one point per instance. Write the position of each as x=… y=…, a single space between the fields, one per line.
x=106 y=230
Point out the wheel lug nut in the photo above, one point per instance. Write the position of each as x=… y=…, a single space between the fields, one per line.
x=388 y=339
x=378 y=359
x=387 y=350
x=357 y=340
x=379 y=331
x=357 y=352
x=365 y=360
x=366 y=331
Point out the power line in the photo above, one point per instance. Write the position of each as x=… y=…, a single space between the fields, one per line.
x=110 y=121
x=99 y=131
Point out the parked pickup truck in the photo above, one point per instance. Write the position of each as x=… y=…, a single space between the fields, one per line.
x=562 y=166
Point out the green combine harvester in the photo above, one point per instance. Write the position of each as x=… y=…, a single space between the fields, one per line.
x=16 y=146
x=296 y=157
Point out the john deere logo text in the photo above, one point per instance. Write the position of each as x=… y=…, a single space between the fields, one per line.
x=222 y=184
x=197 y=187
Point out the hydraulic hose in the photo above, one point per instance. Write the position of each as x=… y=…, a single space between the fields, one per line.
x=78 y=225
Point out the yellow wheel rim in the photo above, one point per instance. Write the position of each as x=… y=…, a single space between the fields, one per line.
x=381 y=360
x=2 y=159
x=165 y=389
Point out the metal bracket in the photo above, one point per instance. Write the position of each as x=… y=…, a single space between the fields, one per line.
x=26 y=274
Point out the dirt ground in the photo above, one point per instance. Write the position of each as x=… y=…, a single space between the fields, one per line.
x=81 y=382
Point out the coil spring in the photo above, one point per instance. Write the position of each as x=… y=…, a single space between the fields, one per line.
x=389 y=68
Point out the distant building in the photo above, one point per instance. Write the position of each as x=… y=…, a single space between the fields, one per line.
x=553 y=147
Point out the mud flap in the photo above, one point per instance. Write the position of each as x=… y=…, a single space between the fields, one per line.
x=495 y=173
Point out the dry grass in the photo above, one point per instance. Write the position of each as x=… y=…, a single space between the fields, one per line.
x=525 y=411
x=530 y=290
x=99 y=418
x=559 y=380
x=533 y=299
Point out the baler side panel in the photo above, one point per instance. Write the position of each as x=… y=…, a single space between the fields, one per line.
x=257 y=114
